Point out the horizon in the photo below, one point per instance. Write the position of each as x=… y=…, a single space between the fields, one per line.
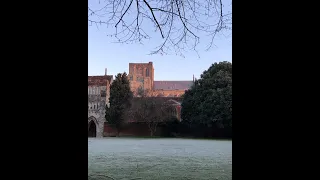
x=154 y=80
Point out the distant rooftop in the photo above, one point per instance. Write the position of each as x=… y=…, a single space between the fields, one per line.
x=99 y=80
x=141 y=63
x=172 y=85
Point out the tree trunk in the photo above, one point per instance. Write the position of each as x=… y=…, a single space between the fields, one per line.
x=118 y=132
x=153 y=128
x=150 y=125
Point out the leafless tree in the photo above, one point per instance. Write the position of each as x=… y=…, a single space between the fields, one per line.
x=179 y=23
x=152 y=111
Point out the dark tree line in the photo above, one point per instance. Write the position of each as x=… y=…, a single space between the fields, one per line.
x=143 y=109
x=206 y=106
x=152 y=111
x=120 y=101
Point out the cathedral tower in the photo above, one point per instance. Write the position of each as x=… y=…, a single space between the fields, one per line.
x=141 y=75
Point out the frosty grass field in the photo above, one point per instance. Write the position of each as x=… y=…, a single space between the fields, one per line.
x=155 y=159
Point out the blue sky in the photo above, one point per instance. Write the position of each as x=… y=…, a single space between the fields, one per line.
x=103 y=53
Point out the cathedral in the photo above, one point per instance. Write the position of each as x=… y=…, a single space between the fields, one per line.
x=141 y=76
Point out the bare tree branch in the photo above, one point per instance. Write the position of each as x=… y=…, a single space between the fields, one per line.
x=155 y=19
x=181 y=23
x=124 y=13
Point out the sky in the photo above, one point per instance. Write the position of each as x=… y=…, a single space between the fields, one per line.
x=104 y=53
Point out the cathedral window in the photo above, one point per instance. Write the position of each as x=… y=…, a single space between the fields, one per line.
x=147 y=72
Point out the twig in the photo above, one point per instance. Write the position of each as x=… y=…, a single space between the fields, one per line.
x=155 y=19
x=124 y=13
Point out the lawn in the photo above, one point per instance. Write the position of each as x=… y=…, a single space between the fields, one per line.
x=155 y=159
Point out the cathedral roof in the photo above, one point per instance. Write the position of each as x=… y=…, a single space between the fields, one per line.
x=172 y=85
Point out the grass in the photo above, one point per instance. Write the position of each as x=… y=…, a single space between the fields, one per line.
x=159 y=159
x=141 y=137
x=155 y=137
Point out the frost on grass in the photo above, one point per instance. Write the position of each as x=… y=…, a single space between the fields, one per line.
x=155 y=159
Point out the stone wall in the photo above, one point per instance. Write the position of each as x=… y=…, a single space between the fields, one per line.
x=96 y=111
x=98 y=98
x=168 y=93
x=98 y=119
